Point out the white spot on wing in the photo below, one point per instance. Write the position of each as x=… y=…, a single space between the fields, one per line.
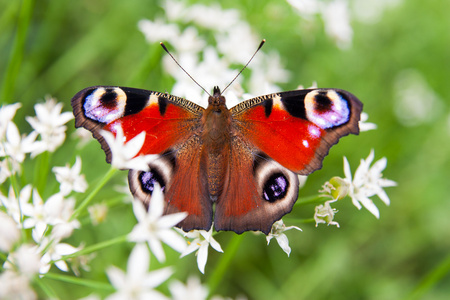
x=314 y=131
x=277 y=102
x=152 y=100
x=305 y=143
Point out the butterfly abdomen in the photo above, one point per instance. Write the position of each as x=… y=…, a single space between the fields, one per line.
x=216 y=141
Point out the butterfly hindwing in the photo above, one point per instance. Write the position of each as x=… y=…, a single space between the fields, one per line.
x=257 y=191
x=179 y=175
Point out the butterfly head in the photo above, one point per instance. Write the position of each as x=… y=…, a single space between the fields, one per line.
x=216 y=99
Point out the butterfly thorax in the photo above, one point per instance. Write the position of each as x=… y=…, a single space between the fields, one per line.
x=216 y=142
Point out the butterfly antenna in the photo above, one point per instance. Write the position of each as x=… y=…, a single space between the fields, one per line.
x=260 y=45
x=165 y=49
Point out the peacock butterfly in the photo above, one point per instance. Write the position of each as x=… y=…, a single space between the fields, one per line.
x=235 y=166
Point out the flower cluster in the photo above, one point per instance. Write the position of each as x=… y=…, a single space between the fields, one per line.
x=22 y=209
x=337 y=15
x=209 y=65
x=367 y=182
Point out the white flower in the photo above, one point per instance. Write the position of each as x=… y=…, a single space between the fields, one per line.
x=14 y=285
x=336 y=16
x=49 y=123
x=124 y=152
x=8 y=167
x=193 y=290
x=9 y=232
x=237 y=43
x=53 y=253
x=70 y=179
x=56 y=211
x=154 y=228
x=324 y=213
x=188 y=42
x=83 y=137
x=277 y=231
x=5 y=173
x=306 y=8
x=137 y=282
x=368 y=182
x=157 y=31
x=202 y=240
x=25 y=259
x=174 y=9
x=208 y=16
x=17 y=146
x=366 y=126
x=14 y=206
x=7 y=113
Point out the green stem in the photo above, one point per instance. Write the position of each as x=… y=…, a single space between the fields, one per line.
x=12 y=70
x=316 y=199
x=96 y=247
x=41 y=171
x=46 y=289
x=224 y=263
x=89 y=198
x=431 y=279
x=80 y=281
x=16 y=189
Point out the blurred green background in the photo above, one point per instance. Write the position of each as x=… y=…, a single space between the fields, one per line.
x=398 y=65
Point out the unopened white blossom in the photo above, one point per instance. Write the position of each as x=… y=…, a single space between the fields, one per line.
x=98 y=212
x=324 y=213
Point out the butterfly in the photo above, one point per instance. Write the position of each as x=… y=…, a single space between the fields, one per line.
x=236 y=168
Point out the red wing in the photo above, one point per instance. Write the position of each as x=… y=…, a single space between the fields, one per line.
x=166 y=119
x=297 y=128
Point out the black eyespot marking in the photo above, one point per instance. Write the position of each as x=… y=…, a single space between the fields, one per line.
x=276 y=187
x=148 y=180
x=109 y=98
x=323 y=102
